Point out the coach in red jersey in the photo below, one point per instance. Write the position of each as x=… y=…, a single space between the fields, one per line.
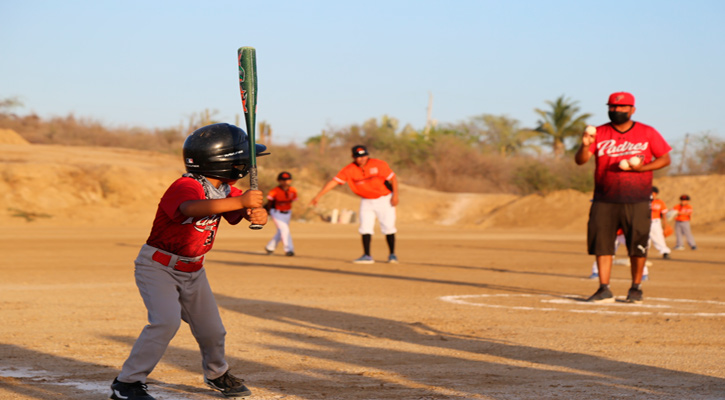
x=626 y=154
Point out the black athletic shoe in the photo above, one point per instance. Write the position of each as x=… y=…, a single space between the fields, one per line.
x=229 y=385
x=602 y=295
x=129 y=391
x=634 y=295
x=289 y=253
x=666 y=256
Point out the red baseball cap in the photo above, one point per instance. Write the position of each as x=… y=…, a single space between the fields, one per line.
x=621 y=99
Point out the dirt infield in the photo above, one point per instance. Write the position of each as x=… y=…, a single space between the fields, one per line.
x=467 y=314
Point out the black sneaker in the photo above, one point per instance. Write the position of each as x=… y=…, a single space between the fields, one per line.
x=129 y=391
x=289 y=253
x=602 y=295
x=666 y=256
x=634 y=295
x=229 y=385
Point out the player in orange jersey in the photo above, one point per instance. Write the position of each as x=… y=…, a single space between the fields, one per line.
x=656 y=231
x=682 y=223
x=279 y=206
x=377 y=185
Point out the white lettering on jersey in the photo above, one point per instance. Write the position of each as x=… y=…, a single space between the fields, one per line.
x=207 y=223
x=611 y=149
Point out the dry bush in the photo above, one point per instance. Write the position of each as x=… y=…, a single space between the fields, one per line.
x=445 y=159
x=73 y=131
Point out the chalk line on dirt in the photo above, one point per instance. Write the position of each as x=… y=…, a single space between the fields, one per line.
x=575 y=304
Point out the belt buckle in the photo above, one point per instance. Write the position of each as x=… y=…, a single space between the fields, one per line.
x=186 y=266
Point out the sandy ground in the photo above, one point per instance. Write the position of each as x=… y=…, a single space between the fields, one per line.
x=467 y=314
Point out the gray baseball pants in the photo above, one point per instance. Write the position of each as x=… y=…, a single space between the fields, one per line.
x=682 y=228
x=171 y=296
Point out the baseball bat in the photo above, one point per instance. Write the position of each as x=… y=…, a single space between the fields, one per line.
x=247 y=59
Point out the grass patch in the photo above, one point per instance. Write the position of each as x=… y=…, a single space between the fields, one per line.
x=27 y=215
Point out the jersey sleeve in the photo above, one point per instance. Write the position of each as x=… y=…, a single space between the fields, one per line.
x=272 y=194
x=234 y=217
x=385 y=171
x=182 y=190
x=660 y=147
x=343 y=175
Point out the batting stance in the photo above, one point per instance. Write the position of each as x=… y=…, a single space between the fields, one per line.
x=170 y=272
x=377 y=185
x=279 y=206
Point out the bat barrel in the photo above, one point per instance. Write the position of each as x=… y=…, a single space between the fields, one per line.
x=247 y=60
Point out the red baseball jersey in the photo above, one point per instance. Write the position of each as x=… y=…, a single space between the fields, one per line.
x=658 y=208
x=612 y=184
x=684 y=212
x=185 y=236
x=282 y=198
x=367 y=181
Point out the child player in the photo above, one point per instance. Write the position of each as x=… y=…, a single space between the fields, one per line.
x=682 y=223
x=279 y=205
x=170 y=272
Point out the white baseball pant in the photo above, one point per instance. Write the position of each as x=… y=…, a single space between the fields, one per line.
x=281 y=221
x=381 y=209
x=657 y=237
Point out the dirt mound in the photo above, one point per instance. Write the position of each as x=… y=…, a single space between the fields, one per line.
x=81 y=185
x=119 y=187
x=9 y=136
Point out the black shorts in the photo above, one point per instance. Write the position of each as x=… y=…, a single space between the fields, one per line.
x=606 y=218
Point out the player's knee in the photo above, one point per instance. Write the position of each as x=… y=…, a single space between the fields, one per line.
x=166 y=326
x=210 y=337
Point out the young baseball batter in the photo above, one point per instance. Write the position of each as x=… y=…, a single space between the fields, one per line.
x=279 y=206
x=170 y=272
x=377 y=186
x=682 y=223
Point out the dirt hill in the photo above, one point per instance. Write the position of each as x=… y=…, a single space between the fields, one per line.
x=46 y=184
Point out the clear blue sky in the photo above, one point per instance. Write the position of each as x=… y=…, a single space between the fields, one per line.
x=335 y=63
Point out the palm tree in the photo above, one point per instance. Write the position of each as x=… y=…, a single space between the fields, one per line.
x=560 y=123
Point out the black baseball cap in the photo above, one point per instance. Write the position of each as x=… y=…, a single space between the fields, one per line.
x=284 y=176
x=654 y=189
x=684 y=197
x=359 y=151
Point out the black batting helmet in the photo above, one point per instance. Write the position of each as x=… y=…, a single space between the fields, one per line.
x=219 y=151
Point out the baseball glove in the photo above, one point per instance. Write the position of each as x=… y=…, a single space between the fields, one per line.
x=668 y=230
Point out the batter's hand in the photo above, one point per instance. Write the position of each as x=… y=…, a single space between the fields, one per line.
x=257 y=216
x=252 y=199
x=394 y=201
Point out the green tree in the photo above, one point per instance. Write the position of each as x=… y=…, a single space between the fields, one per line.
x=10 y=103
x=560 y=122
x=501 y=133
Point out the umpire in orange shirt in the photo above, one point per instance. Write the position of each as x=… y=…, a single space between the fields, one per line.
x=377 y=186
